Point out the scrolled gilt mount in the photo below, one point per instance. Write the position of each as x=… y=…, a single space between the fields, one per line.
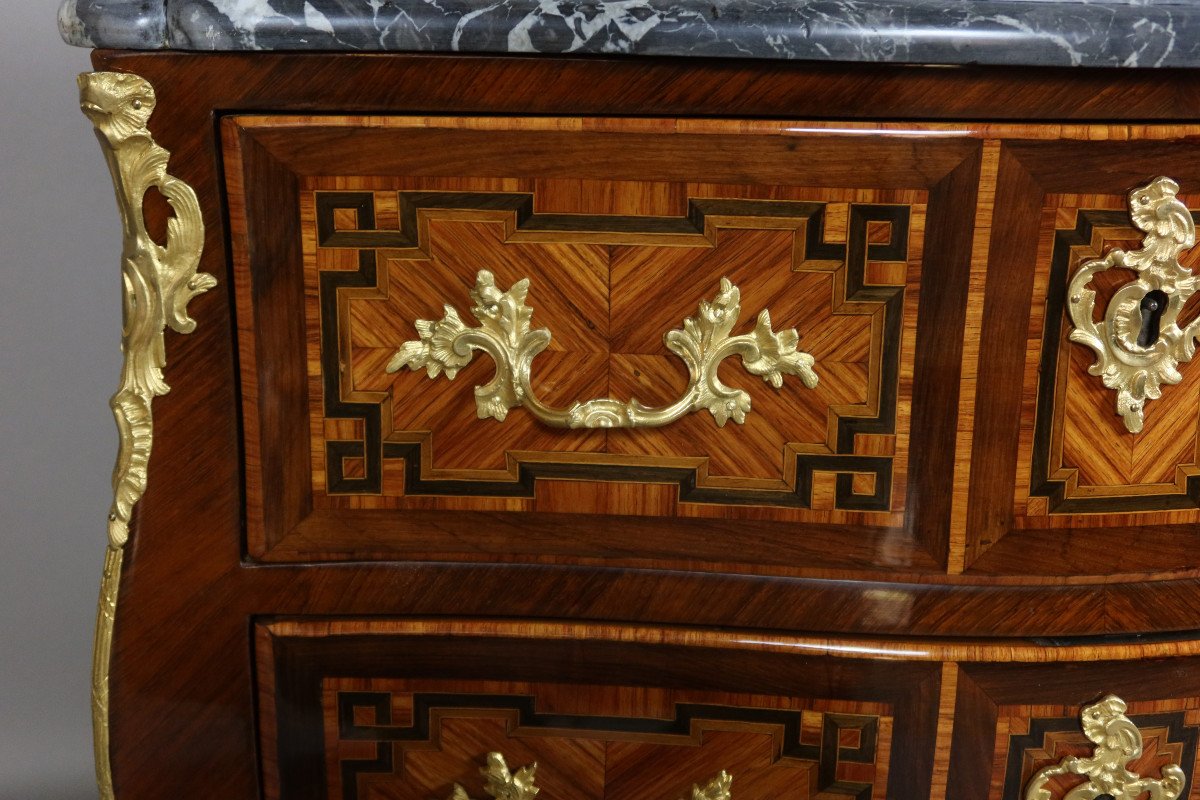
x=159 y=281
x=505 y=334
x=1139 y=344
x=1118 y=742
x=503 y=784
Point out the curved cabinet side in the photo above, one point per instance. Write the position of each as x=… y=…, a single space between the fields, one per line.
x=158 y=283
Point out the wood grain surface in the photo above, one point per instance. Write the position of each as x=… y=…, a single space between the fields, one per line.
x=608 y=306
x=413 y=738
x=1078 y=492
x=967 y=582
x=1077 y=468
x=393 y=708
x=382 y=249
x=1031 y=719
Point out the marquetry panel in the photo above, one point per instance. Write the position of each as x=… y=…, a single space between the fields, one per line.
x=1077 y=460
x=196 y=714
x=1029 y=738
x=392 y=707
x=1013 y=720
x=613 y=265
x=413 y=739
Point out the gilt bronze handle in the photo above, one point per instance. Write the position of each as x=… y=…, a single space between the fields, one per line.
x=505 y=334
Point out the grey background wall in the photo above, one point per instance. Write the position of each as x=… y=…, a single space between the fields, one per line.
x=59 y=331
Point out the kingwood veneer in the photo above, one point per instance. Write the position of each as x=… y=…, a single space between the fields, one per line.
x=904 y=580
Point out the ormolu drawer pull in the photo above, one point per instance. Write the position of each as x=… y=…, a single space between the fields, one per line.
x=1139 y=345
x=716 y=789
x=1118 y=742
x=502 y=784
x=505 y=334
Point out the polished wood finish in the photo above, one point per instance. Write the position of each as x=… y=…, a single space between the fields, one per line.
x=1016 y=720
x=613 y=267
x=651 y=719
x=948 y=608
x=1076 y=469
x=1037 y=392
x=608 y=302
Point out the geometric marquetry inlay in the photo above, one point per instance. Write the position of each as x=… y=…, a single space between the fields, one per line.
x=411 y=740
x=1030 y=738
x=1081 y=459
x=841 y=267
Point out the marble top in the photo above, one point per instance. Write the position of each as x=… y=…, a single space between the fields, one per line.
x=1107 y=33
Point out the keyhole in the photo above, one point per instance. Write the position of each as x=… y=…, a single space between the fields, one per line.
x=1153 y=306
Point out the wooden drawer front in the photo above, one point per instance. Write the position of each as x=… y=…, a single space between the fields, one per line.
x=1012 y=721
x=1059 y=480
x=373 y=710
x=347 y=232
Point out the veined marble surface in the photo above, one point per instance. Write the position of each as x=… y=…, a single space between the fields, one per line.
x=1109 y=33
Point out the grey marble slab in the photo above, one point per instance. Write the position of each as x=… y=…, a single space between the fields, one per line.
x=1109 y=33
x=121 y=24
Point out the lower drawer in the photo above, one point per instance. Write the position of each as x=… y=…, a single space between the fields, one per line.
x=404 y=709
x=373 y=710
x=1016 y=727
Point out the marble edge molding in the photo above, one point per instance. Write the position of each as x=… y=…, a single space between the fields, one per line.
x=119 y=24
x=1109 y=33
x=1039 y=32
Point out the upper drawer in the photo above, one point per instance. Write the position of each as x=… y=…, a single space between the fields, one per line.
x=1085 y=457
x=615 y=302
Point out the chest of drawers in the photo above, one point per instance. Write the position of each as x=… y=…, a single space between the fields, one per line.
x=685 y=428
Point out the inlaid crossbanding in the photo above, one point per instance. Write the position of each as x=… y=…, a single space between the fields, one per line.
x=850 y=457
